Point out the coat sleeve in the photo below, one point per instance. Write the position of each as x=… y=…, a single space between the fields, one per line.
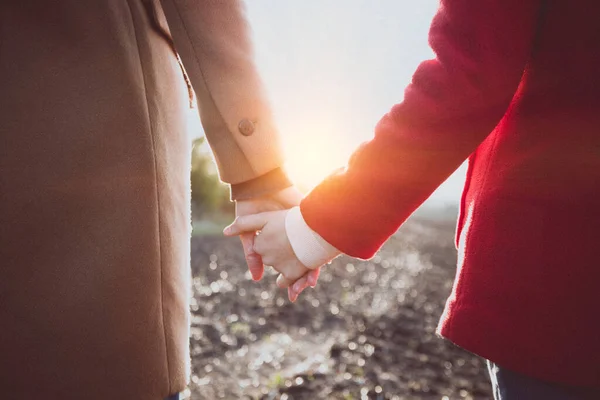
x=212 y=39
x=451 y=105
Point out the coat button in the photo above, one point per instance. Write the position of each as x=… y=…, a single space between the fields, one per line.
x=246 y=127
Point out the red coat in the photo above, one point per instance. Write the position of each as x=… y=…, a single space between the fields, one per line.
x=514 y=87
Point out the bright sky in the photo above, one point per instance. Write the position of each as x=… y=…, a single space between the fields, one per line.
x=332 y=69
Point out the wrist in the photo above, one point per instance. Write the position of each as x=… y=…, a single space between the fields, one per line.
x=264 y=185
x=309 y=247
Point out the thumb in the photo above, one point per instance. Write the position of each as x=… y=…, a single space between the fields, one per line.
x=246 y=223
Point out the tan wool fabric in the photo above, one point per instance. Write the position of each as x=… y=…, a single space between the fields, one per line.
x=94 y=185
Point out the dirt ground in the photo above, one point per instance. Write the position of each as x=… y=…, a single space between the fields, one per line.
x=367 y=331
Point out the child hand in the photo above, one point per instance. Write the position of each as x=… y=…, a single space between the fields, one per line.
x=275 y=249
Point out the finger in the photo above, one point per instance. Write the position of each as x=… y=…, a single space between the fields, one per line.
x=253 y=259
x=297 y=288
x=313 y=277
x=246 y=223
x=293 y=296
x=300 y=284
x=282 y=282
x=310 y=279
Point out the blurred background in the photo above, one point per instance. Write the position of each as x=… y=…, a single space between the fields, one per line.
x=332 y=70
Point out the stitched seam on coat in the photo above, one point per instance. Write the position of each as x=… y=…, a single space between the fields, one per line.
x=160 y=260
x=207 y=87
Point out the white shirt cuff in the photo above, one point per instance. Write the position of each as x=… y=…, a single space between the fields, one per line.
x=310 y=248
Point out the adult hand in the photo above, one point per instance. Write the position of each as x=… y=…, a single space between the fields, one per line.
x=275 y=249
x=281 y=200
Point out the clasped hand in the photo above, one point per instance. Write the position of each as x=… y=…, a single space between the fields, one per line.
x=260 y=223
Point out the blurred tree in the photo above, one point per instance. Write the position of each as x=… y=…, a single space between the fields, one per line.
x=210 y=197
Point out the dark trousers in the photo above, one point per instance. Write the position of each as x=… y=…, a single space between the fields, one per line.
x=509 y=385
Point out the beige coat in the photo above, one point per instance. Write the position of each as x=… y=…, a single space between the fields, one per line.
x=94 y=185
